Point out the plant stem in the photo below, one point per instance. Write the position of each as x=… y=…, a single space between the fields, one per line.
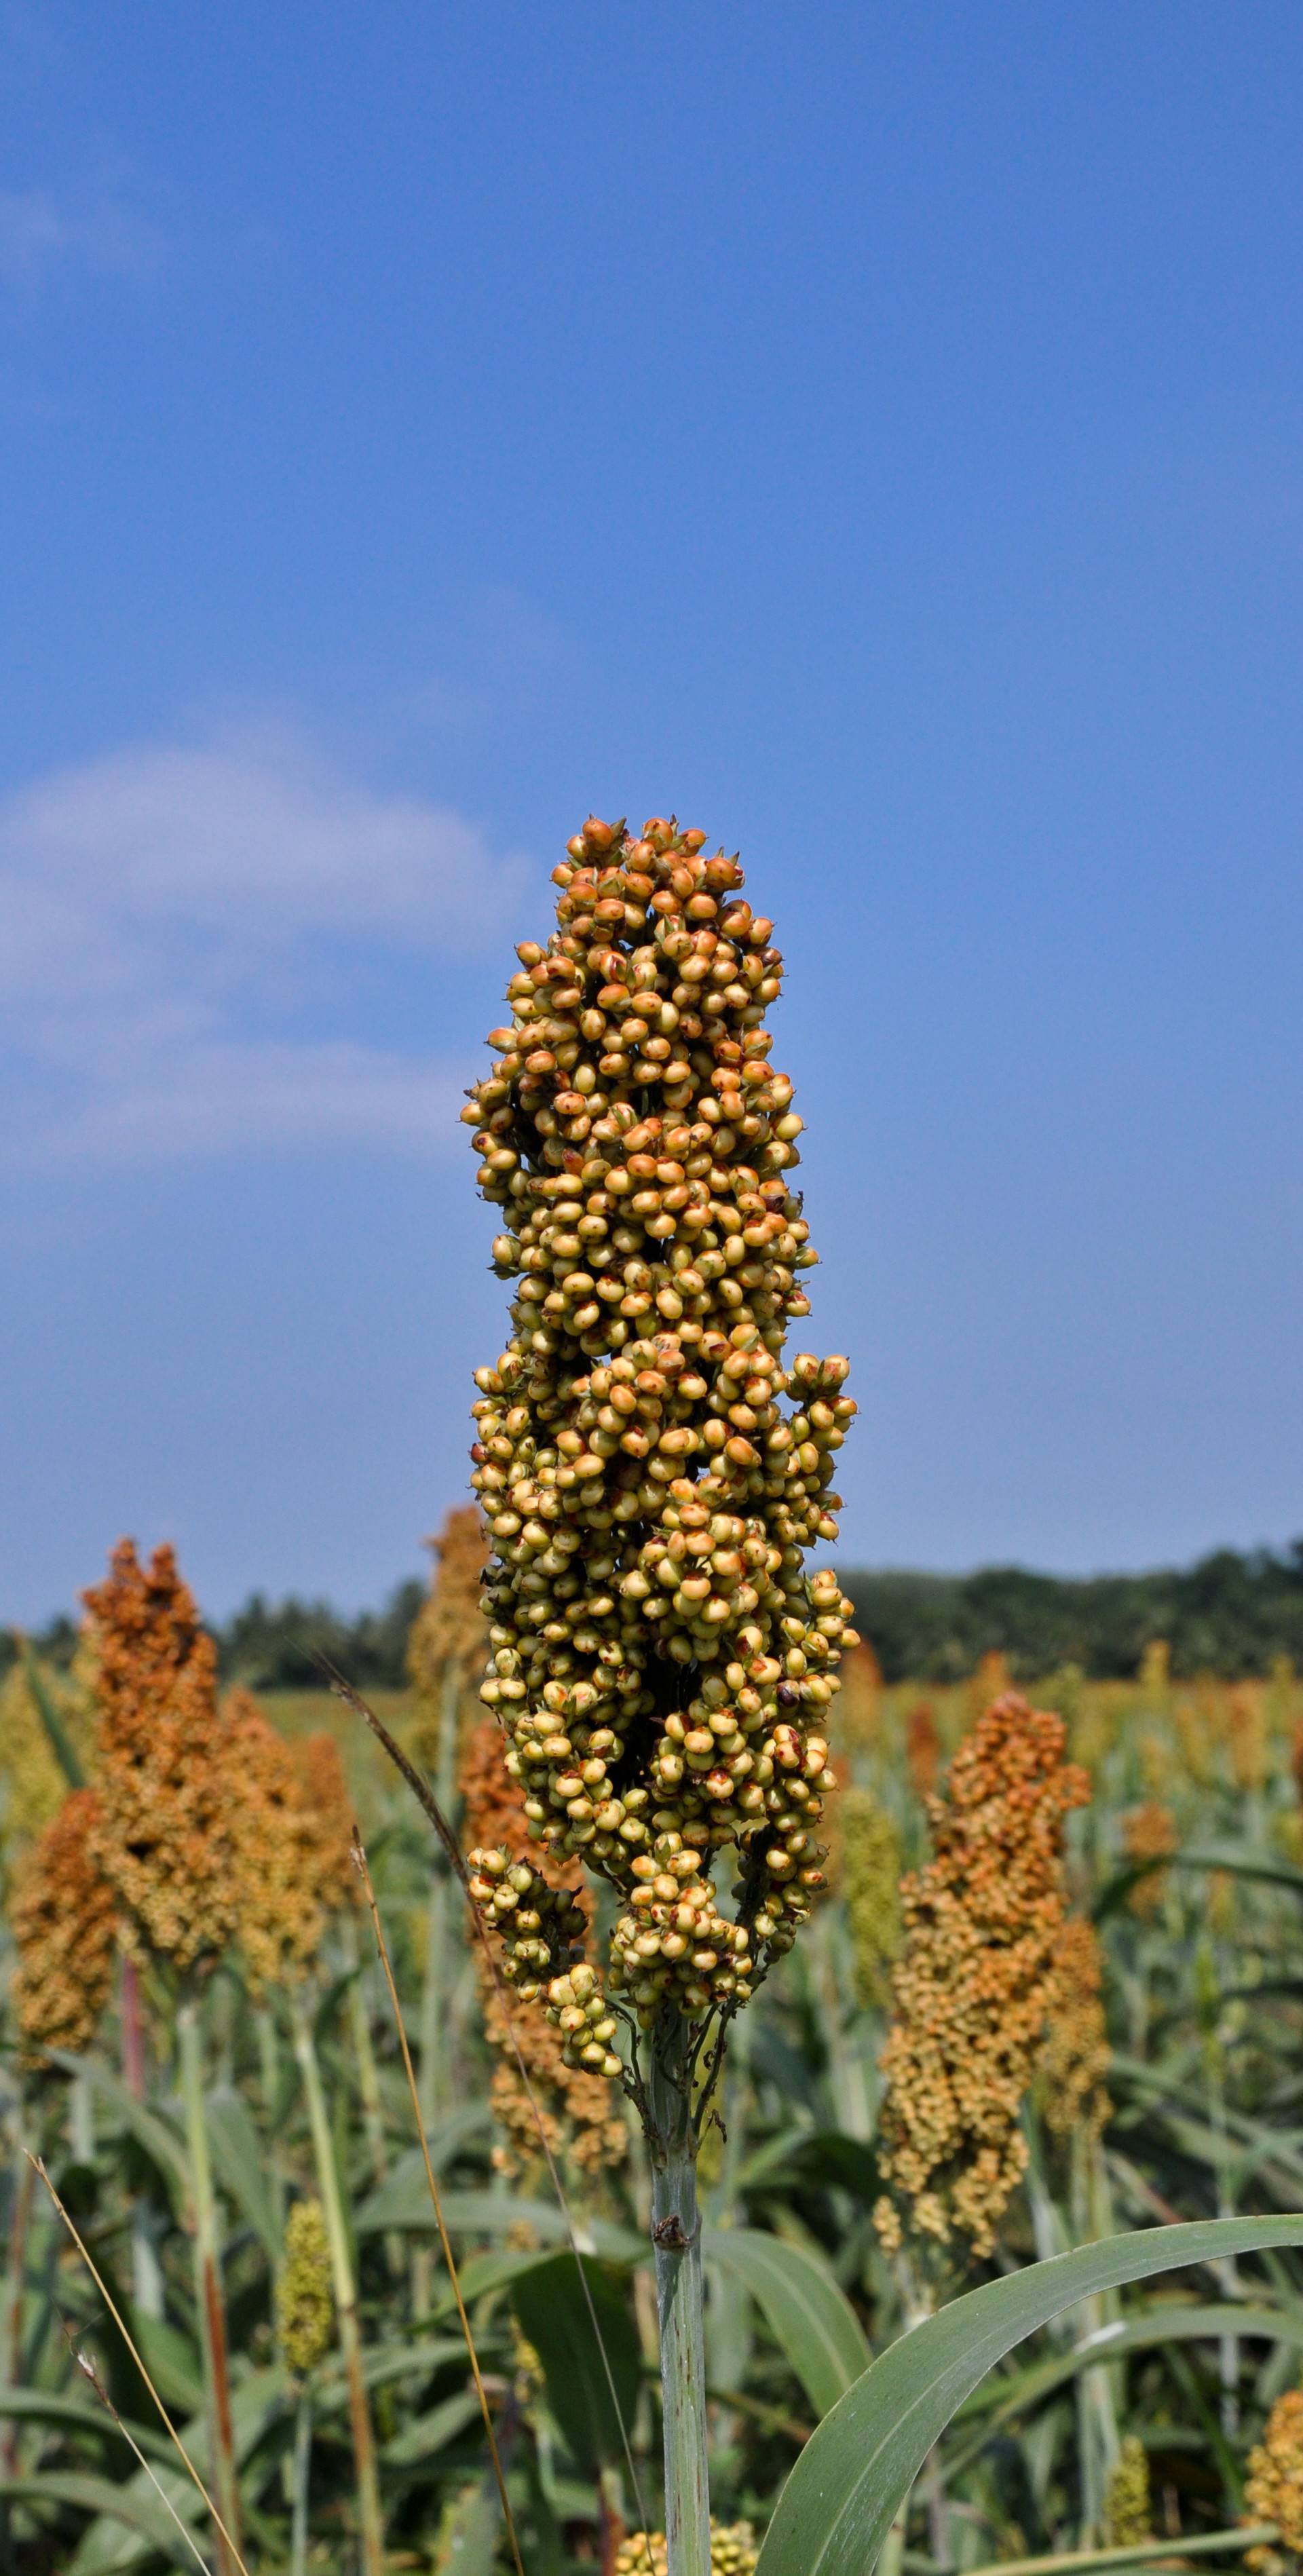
x=208 y=2284
x=269 y=2076
x=299 y=2493
x=11 y=2325
x=676 y=2235
x=370 y=2522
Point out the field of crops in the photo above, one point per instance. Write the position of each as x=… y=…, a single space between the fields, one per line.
x=236 y=2084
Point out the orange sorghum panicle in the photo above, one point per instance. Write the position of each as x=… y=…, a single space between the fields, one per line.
x=1273 y=2489
x=165 y=1784
x=922 y=1748
x=449 y=1640
x=1074 y=2068
x=972 y=1989
x=572 y=2103
x=328 y=1799
x=64 y=1925
x=1149 y=1833
x=276 y=1858
x=660 y=1659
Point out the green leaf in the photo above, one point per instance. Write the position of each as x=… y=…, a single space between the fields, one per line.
x=161 y=2142
x=1230 y=1858
x=859 y=2465
x=809 y=2317
x=61 y=1745
x=431 y=2432
x=78 y=2415
x=240 y=2163
x=403 y=2201
x=1162 y=2324
x=466 y=2543
x=172 y=2359
x=553 y=2315
x=136 y=2506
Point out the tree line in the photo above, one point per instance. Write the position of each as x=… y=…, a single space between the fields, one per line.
x=1231 y=1613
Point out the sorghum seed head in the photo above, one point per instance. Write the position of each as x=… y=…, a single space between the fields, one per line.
x=164 y=1836
x=658 y=1655
x=305 y=2304
x=972 y=1988
x=63 y=1916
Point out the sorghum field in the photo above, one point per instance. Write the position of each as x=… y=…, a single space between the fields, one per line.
x=667 y=2054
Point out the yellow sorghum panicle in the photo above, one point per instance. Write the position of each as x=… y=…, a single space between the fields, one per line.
x=450 y=1632
x=660 y=1659
x=1127 y=2515
x=870 y=1877
x=573 y=2104
x=922 y=1748
x=164 y=1783
x=276 y=1855
x=1148 y=1833
x=64 y=1925
x=305 y=2305
x=34 y=1785
x=990 y=1679
x=1155 y=1673
x=733 y=2551
x=1074 y=2068
x=1273 y=2488
x=972 y=1989
x=1246 y=1734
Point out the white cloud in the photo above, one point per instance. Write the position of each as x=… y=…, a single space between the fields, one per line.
x=40 y=231
x=181 y=924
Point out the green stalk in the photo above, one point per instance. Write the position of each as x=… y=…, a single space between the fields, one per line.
x=676 y=2236
x=1139 y=2553
x=368 y=2074
x=299 y=2489
x=370 y=2521
x=11 y=2323
x=208 y=2285
x=269 y=2076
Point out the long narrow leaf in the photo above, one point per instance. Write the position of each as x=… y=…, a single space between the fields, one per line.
x=60 y=1741
x=810 y=2318
x=856 y=2471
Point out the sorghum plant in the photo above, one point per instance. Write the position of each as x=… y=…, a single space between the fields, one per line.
x=580 y=2117
x=1273 y=2489
x=661 y=1661
x=64 y=1924
x=164 y=1842
x=973 y=1987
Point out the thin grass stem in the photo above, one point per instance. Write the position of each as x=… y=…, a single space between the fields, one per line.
x=128 y=2338
x=370 y=2517
x=208 y=2280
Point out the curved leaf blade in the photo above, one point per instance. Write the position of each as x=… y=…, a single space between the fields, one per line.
x=142 y=2512
x=809 y=2317
x=553 y=2313
x=843 y=2494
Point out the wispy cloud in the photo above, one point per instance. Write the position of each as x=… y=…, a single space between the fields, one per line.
x=181 y=930
x=43 y=230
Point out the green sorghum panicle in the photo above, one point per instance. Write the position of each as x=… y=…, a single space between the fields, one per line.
x=871 y=1888
x=1127 y=2515
x=305 y=2306
x=661 y=1661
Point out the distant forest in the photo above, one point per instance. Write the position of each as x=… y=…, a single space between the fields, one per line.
x=1231 y=1614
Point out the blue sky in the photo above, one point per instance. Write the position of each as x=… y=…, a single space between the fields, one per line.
x=872 y=432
